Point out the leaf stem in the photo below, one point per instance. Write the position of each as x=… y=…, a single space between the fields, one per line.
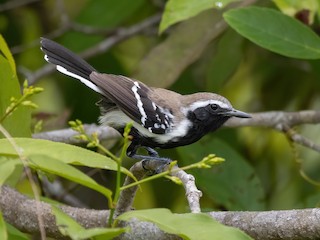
x=118 y=179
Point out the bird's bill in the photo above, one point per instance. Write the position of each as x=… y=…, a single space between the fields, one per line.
x=237 y=113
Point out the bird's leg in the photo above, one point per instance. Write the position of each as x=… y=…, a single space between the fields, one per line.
x=154 y=166
x=153 y=155
x=152 y=152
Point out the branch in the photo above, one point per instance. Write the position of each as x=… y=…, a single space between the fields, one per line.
x=20 y=211
x=15 y=4
x=68 y=135
x=283 y=122
x=285 y=224
x=278 y=120
x=193 y=194
x=141 y=169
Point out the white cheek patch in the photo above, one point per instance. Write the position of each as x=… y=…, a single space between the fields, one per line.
x=83 y=80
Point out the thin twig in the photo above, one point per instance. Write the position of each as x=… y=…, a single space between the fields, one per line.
x=15 y=4
x=68 y=135
x=30 y=178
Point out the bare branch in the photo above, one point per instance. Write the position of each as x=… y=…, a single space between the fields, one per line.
x=20 y=211
x=15 y=4
x=68 y=135
x=287 y=224
x=276 y=119
x=127 y=195
x=283 y=122
x=140 y=169
x=193 y=194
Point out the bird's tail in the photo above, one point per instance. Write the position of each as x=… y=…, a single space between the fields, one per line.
x=68 y=62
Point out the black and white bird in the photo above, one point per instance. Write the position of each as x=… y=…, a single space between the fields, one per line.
x=161 y=118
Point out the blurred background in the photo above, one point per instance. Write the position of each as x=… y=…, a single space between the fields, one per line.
x=263 y=168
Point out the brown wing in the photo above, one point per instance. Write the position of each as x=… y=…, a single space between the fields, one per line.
x=132 y=97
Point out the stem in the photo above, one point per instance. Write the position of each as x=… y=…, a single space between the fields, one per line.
x=11 y=109
x=159 y=175
x=107 y=152
x=118 y=179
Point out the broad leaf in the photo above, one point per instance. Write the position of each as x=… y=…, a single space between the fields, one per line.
x=225 y=61
x=3 y=229
x=15 y=234
x=69 y=227
x=53 y=157
x=203 y=226
x=177 y=10
x=18 y=123
x=51 y=165
x=60 y=152
x=7 y=54
x=232 y=184
x=275 y=31
x=170 y=58
x=7 y=168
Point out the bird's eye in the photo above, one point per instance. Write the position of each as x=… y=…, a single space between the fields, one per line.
x=214 y=107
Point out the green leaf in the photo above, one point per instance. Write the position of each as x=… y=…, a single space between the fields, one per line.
x=53 y=157
x=275 y=31
x=7 y=54
x=203 y=226
x=7 y=169
x=15 y=234
x=3 y=229
x=177 y=10
x=69 y=227
x=242 y=191
x=170 y=58
x=60 y=152
x=225 y=61
x=18 y=123
x=291 y=7
x=51 y=165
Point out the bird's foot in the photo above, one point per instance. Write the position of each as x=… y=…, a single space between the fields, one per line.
x=155 y=165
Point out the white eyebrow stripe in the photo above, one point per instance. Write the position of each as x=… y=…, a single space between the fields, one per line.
x=200 y=104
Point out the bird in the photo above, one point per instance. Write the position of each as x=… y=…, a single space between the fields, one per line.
x=160 y=118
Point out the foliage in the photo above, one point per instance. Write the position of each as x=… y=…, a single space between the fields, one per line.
x=260 y=57
x=176 y=224
x=74 y=230
x=283 y=34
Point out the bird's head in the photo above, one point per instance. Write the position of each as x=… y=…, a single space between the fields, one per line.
x=210 y=110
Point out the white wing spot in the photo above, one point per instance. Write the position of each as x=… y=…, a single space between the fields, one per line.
x=154 y=106
x=139 y=103
x=46 y=58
